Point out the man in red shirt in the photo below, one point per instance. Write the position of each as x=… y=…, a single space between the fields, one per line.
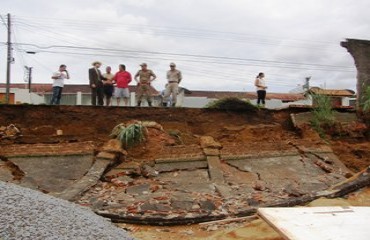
x=122 y=79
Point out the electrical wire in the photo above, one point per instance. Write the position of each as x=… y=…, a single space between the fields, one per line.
x=3 y=21
x=177 y=32
x=202 y=58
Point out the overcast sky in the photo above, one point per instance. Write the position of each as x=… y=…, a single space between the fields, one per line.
x=218 y=45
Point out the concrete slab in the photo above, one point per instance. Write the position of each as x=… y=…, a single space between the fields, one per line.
x=215 y=169
x=54 y=173
x=280 y=172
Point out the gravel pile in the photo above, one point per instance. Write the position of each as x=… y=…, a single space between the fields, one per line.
x=28 y=214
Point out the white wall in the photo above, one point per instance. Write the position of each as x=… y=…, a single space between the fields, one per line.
x=23 y=96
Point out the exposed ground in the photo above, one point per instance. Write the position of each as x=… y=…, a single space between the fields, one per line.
x=263 y=136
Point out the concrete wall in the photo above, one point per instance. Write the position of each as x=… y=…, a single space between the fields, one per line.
x=23 y=96
x=360 y=51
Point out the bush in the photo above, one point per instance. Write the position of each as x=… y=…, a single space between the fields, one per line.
x=366 y=107
x=323 y=114
x=130 y=135
x=232 y=103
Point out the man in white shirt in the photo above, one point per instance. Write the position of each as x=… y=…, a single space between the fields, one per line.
x=174 y=77
x=58 y=84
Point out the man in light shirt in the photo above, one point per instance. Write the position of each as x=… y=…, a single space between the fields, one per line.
x=174 y=77
x=144 y=77
x=58 y=84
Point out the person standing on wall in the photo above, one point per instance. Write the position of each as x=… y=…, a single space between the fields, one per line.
x=144 y=77
x=108 y=85
x=122 y=78
x=261 y=89
x=96 y=84
x=174 y=77
x=58 y=84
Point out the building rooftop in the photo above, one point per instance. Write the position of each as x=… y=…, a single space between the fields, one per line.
x=332 y=92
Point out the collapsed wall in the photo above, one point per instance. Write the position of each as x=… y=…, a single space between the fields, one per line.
x=360 y=51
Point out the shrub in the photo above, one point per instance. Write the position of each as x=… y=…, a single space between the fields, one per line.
x=323 y=114
x=231 y=103
x=130 y=135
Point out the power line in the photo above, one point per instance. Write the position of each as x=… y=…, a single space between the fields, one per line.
x=178 y=32
x=3 y=21
x=203 y=58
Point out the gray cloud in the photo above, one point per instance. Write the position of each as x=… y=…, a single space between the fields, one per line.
x=282 y=31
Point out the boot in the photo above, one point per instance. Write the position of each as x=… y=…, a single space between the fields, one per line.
x=164 y=104
x=150 y=104
x=138 y=103
x=173 y=105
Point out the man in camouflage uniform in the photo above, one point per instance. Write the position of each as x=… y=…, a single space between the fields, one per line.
x=144 y=77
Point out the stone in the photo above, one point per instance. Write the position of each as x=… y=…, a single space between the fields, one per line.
x=138 y=189
x=12 y=130
x=148 y=171
x=259 y=185
x=209 y=142
x=155 y=207
x=207 y=205
x=114 y=173
x=211 y=151
x=125 y=179
x=113 y=146
x=182 y=205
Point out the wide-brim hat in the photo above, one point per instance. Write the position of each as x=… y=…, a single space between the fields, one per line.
x=96 y=62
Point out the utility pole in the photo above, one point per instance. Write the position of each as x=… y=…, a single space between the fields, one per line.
x=9 y=61
x=29 y=69
x=29 y=79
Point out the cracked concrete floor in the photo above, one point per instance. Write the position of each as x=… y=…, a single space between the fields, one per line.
x=198 y=193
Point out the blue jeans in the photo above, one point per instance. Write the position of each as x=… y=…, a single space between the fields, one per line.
x=57 y=95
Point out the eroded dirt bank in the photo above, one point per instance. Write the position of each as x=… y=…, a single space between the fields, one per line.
x=39 y=124
x=238 y=132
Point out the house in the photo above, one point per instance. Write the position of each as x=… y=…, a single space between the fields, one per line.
x=81 y=95
x=72 y=94
x=339 y=98
x=200 y=99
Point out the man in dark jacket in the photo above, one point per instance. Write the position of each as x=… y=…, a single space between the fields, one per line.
x=96 y=84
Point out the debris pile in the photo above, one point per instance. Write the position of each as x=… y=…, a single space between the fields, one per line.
x=9 y=132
